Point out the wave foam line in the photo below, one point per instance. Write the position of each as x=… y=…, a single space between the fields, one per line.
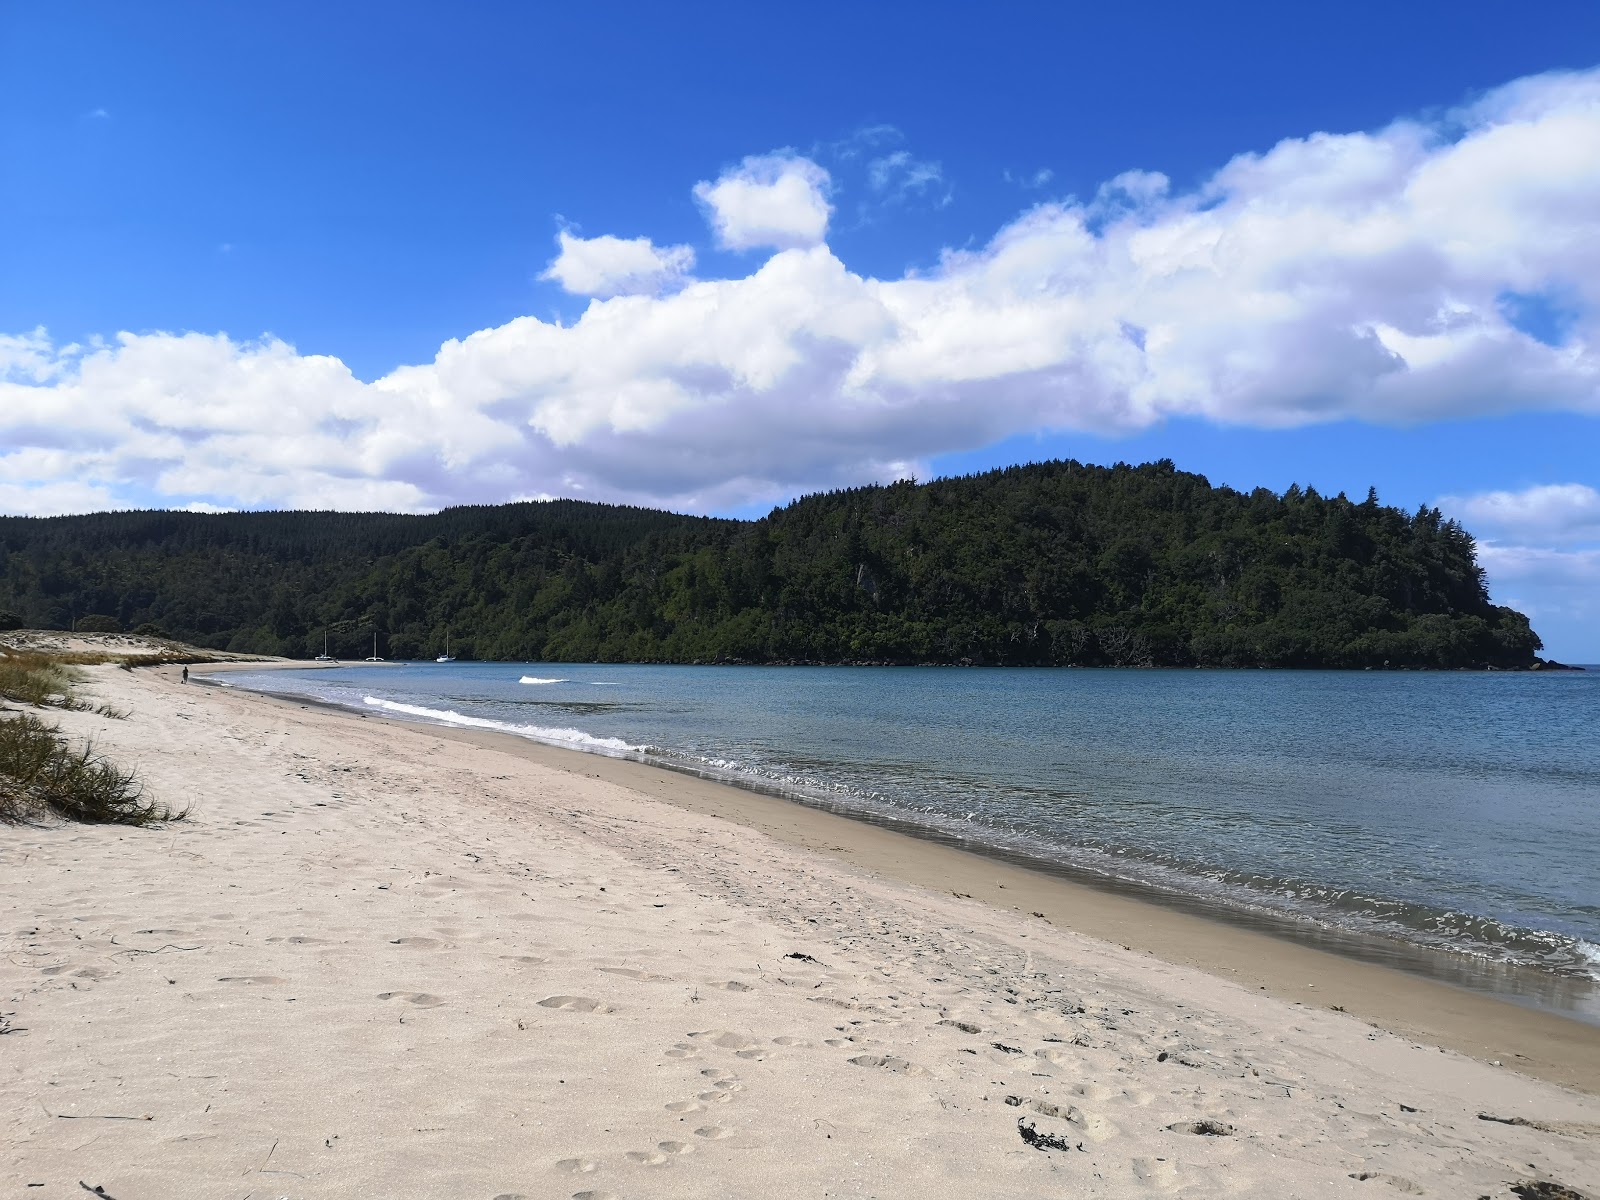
x=536 y=679
x=540 y=733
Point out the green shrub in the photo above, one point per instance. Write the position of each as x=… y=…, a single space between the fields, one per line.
x=41 y=773
x=9 y=620
x=96 y=623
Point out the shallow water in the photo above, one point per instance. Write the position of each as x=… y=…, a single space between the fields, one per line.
x=1453 y=812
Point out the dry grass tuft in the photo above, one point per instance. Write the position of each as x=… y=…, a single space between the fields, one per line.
x=36 y=679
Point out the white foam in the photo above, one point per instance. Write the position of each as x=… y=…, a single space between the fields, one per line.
x=560 y=737
x=536 y=679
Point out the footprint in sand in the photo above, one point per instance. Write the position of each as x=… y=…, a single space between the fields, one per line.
x=683 y=1106
x=790 y=1041
x=577 y=1166
x=630 y=973
x=583 y=1004
x=526 y=959
x=300 y=940
x=717 y=1073
x=732 y=985
x=1092 y=1126
x=1156 y=1173
x=715 y=1097
x=420 y=999
x=664 y=1153
x=417 y=943
x=1203 y=1128
x=725 y=1038
x=713 y=1133
x=969 y=1027
x=594 y=1196
x=261 y=979
x=1399 y=1182
x=888 y=1063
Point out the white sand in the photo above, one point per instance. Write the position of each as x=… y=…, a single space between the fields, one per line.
x=378 y=961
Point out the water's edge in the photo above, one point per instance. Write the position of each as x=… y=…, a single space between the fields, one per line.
x=1573 y=998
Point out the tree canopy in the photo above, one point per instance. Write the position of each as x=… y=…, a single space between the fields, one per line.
x=1049 y=564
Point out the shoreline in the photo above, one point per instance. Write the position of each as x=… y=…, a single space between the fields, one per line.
x=402 y=960
x=1541 y=1042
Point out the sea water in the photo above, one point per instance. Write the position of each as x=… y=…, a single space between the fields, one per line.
x=1447 y=823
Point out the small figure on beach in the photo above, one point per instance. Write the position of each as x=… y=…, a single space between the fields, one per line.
x=186 y=674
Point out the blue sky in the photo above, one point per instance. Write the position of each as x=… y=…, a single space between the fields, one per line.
x=850 y=206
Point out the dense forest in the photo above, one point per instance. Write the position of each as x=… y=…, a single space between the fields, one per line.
x=1054 y=563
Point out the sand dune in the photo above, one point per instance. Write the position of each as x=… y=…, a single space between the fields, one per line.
x=382 y=961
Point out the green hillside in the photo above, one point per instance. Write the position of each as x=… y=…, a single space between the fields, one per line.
x=1053 y=563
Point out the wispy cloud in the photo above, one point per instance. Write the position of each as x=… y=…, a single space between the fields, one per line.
x=899 y=177
x=1028 y=180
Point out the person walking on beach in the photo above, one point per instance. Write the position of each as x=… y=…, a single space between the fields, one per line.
x=186 y=674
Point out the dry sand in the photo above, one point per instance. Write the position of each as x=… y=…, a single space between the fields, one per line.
x=380 y=960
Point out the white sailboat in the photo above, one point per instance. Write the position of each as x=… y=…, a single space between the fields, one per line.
x=374 y=657
x=324 y=656
x=446 y=657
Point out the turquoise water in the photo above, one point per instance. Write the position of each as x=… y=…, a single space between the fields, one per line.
x=1448 y=823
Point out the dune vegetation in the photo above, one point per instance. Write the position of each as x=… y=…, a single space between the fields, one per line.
x=43 y=772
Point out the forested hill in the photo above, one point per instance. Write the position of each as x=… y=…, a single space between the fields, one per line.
x=1049 y=564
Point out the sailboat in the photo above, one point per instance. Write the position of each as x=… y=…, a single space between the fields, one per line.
x=446 y=657
x=374 y=657
x=324 y=656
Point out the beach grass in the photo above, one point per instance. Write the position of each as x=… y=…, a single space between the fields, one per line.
x=42 y=773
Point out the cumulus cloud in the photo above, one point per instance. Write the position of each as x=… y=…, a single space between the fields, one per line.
x=1559 y=512
x=1331 y=277
x=770 y=200
x=613 y=266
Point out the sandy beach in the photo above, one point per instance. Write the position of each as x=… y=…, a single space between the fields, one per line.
x=392 y=960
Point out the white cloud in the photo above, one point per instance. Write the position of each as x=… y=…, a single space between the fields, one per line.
x=613 y=266
x=774 y=200
x=1560 y=512
x=1350 y=276
x=1558 y=589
